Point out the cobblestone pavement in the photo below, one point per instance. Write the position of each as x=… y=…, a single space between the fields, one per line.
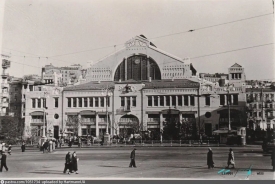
x=152 y=162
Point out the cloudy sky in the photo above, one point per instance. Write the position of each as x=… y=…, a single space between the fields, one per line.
x=65 y=32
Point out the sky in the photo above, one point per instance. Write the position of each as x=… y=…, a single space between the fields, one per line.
x=65 y=32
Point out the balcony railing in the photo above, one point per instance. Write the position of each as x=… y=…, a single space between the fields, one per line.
x=37 y=121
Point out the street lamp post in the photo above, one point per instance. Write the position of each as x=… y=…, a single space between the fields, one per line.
x=108 y=92
x=229 y=88
x=44 y=114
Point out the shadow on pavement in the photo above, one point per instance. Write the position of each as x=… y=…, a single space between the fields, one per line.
x=45 y=172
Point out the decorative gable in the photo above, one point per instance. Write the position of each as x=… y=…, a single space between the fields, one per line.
x=236 y=65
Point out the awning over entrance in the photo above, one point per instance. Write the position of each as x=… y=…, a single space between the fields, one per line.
x=71 y=113
x=153 y=112
x=37 y=113
x=173 y=111
x=87 y=113
x=188 y=112
x=103 y=113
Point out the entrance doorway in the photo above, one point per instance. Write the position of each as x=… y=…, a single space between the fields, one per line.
x=56 y=132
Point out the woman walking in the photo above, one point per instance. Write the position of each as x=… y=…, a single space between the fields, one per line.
x=74 y=163
x=231 y=160
x=210 y=162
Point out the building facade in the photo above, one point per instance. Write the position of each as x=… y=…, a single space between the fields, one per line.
x=5 y=98
x=138 y=86
x=260 y=108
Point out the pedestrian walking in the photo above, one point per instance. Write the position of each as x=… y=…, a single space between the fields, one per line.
x=45 y=146
x=74 y=163
x=23 y=147
x=231 y=160
x=3 y=147
x=273 y=159
x=4 y=162
x=9 y=150
x=210 y=161
x=68 y=163
x=133 y=157
x=51 y=145
x=79 y=142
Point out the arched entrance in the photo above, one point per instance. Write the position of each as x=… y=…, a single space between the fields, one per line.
x=128 y=124
x=137 y=68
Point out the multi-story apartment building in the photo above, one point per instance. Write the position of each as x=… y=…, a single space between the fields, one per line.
x=15 y=93
x=4 y=105
x=140 y=85
x=260 y=108
x=65 y=75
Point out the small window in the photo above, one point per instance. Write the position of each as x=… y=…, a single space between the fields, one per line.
x=186 y=100
x=55 y=102
x=180 y=100
x=69 y=102
x=38 y=103
x=85 y=102
x=96 y=102
x=134 y=102
x=91 y=101
x=174 y=100
x=192 y=100
x=79 y=102
x=207 y=100
x=167 y=100
x=74 y=102
x=155 y=100
x=150 y=101
x=102 y=101
x=161 y=100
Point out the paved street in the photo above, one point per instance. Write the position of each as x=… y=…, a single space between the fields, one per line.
x=152 y=162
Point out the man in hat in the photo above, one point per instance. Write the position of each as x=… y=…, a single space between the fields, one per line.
x=231 y=159
x=68 y=163
x=4 y=162
x=132 y=156
x=210 y=161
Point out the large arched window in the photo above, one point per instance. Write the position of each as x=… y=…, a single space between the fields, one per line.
x=137 y=68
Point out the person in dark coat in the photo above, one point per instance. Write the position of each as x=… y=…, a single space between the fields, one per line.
x=74 y=163
x=133 y=157
x=4 y=162
x=45 y=146
x=68 y=163
x=9 y=150
x=23 y=147
x=210 y=162
x=231 y=160
x=273 y=159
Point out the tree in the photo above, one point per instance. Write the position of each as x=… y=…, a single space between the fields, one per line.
x=11 y=128
x=32 y=133
x=73 y=123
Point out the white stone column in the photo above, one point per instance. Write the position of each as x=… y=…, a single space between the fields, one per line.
x=159 y=101
x=225 y=99
x=131 y=101
x=188 y=100
x=232 y=99
x=77 y=104
x=180 y=118
x=177 y=104
x=170 y=101
x=82 y=102
x=93 y=101
x=164 y=98
x=153 y=102
x=96 y=125
x=88 y=101
x=36 y=103
x=42 y=102
x=182 y=100
x=99 y=102
x=105 y=101
x=161 y=121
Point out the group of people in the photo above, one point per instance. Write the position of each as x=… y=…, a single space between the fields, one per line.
x=71 y=163
x=230 y=160
x=49 y=145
